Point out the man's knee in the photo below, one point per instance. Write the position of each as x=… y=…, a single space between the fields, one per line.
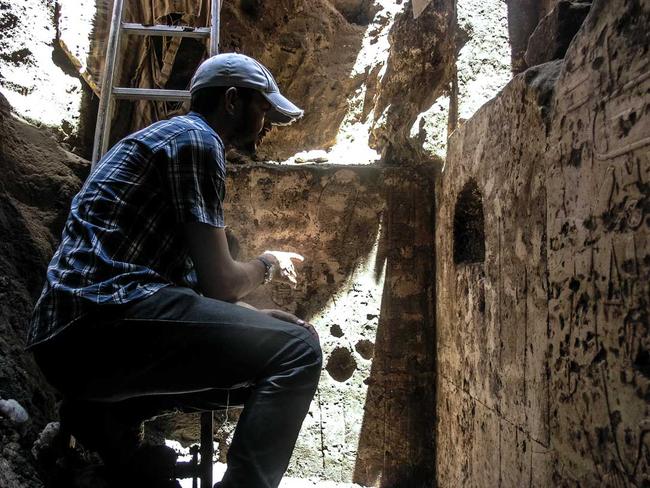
x=302 y=354
x=314 y=363
x=311 y=344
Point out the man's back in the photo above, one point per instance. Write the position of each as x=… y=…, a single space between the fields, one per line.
x=122 y=240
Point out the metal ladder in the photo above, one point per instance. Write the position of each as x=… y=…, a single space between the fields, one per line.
x=109 y=93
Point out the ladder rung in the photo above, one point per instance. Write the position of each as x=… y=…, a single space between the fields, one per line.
x=151 y=94
x=166 y=30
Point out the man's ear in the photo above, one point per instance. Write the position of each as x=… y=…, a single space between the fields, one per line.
x=230 y=99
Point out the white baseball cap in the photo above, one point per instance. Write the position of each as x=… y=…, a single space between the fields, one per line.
x=233 y=69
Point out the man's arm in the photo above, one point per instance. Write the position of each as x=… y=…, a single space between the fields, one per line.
x=222 y=277
x=219 y=275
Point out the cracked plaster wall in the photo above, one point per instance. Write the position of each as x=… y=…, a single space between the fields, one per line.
x=543 y=375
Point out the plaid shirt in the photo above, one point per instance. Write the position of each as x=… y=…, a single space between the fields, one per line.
x=123 y=240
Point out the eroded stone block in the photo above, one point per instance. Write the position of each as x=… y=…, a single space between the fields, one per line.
x=552 y=36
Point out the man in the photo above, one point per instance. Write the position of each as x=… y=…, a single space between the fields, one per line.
x=137 y=314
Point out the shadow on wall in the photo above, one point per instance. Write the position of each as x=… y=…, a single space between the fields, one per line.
x=396 y=444
x=469 y=226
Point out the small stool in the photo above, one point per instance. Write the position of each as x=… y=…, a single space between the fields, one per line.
x=203 y=470
x=191 y=469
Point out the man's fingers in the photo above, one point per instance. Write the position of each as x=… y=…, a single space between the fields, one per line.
x=289 y=272
x=290 y=277
x=285 y=266
x=289 y=317
x=283 y=255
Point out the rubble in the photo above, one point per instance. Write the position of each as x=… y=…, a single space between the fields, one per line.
x=13 y=411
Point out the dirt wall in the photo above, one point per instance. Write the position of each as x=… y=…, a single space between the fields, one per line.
x=38 y=181
x=543 y=339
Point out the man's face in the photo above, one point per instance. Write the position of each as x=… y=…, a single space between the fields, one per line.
x=249 y=121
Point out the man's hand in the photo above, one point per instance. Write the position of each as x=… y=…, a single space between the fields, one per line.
x=291 y=318
x=223 y=278
x=284 y=269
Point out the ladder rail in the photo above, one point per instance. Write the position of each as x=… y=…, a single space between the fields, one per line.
x=104 y=112
x=151 y=94
x=215 y=20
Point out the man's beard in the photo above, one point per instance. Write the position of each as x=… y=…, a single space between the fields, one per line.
x=248 y=145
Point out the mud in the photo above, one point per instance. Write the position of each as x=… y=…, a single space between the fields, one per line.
x=341 y=364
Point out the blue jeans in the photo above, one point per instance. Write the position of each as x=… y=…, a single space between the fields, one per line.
x=177 y=349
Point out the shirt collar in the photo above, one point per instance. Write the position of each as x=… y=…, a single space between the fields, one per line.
x=203 y=119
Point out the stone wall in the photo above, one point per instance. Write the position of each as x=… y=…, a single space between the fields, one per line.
x=367 y=286
x=543 y=366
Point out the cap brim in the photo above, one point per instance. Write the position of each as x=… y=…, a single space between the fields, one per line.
x=283 y=111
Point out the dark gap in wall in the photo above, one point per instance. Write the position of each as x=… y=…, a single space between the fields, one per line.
x=469 y=226
x=341 y=365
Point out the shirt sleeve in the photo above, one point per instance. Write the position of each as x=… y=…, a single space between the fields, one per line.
x=195 y=172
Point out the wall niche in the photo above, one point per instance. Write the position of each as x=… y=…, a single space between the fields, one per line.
x=469 y=226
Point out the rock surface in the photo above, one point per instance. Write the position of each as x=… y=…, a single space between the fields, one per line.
x=552 y=36
x=418 y=71
x=523 y=17
x=543 y=347
x=38 y=180
x=313 y=47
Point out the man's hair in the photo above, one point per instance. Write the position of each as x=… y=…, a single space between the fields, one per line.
x=206 y=100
